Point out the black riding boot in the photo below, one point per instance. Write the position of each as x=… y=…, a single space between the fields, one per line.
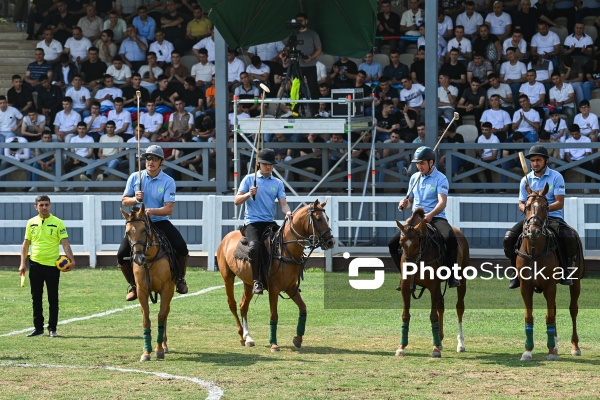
x=127 y=271
x=254 y=255
x=565 y=280
x=181 y=286
x=514 y=282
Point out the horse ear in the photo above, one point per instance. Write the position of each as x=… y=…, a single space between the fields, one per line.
x=400 y=226
x=421 y=226
x=125 y=214
x=323 y=204
x=316 y=203
x=546 y=188
x=527 y=188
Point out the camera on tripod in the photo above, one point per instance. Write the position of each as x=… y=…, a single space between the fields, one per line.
x=293 y=53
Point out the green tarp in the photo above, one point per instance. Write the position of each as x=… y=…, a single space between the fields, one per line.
x=346 y=27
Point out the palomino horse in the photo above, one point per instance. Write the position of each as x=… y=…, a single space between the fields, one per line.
x=418 y=246
x=538 y=252
x=152 y=270
x=307 y=228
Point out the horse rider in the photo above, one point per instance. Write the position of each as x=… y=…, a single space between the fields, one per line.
x=260 y=211
x=539 y=176
x=157 y=191
x=430 y=193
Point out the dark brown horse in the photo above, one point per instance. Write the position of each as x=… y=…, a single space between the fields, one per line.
x=418 y=246
x=152 y=272
x=537 y=252
x=307 y=228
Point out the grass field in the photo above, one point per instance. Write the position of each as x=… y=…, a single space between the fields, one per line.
x=346 y=354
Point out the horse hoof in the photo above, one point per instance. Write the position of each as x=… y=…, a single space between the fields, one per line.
x=576 y=353
x=555 y=350
x=249 y=343
x=552 y=357
x=526 y=356
x=274 y=348
x=145 y=357
x=160 y=355
x=436 y=354
x=460 y=349
x=400 y=353
x=441 y=347
x=165 y=349
x=297 y=342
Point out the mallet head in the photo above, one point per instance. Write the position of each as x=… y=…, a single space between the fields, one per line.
x=138 y=94
x=265 y=88
x=456 y=116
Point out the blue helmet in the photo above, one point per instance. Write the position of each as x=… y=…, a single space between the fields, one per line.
x=423 y=153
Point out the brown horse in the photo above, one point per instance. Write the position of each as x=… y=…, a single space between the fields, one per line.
x=307 y=228
x=537 y=252
x=152 y=271
x=418 y=246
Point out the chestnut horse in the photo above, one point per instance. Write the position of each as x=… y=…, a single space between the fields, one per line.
x=538 y=252
x=152 y=271
x=418 y=246
x=307 y=228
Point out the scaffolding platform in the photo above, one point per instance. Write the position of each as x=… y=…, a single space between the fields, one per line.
x=305 y=125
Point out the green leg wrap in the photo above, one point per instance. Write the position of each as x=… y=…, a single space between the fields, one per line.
x=551 y=331
x=529 y=336
x=301 y=323
x=273 y=334
x=147 y=340
x=161 y=333
x=435 y=331
x=404 y=340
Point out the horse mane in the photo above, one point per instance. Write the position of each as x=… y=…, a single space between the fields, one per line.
x=417 y=216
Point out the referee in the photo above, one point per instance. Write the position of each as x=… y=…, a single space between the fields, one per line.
x=43 y=234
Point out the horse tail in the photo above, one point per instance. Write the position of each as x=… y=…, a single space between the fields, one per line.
x=580 y=260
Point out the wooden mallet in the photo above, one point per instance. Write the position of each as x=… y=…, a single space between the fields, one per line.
x=266 y=90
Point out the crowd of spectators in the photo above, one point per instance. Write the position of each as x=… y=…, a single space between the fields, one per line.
x=500 y=62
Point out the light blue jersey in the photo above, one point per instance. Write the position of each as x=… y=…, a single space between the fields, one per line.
x=263 y=208
x=556 y=186
x=157 y=191
x=425 y=193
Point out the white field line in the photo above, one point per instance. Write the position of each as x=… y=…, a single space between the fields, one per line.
x=116 y=310
x=214 y=391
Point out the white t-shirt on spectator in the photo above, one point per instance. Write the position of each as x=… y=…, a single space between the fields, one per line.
x=492 y=140
x=120 y=119
x=464 y=46
x=555 y=129
x=209 y=44
x=522 y=45
x=9 y=119
x=545 y=44
x=67 y=122
x=513 y=71
x=203 y=72
x=52 y=50
x=83 y=151
x=114 y=91
x=414 y=96
x=20 y=154
x=78 y=48
x=524 y=126
x=79 y=96
x=119 y=75
x=498 y=118
x=100 y=119
x=586 y=125
x=470 y=23
x=498 y=23
x=152 y=123
x=163 y=51
x=503 y=91
x=578 y=154
x=562 y=94
x=533 y=91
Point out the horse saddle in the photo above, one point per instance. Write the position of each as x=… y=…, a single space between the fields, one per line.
x=242 y=250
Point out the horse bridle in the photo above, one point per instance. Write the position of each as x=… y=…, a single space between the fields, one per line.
x=532 y=220
x=135 y=255
x=422 y=243
x=312 y=241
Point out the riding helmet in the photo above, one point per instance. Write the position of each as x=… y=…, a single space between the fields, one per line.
x=266 y=156
x=537 y=150
x=154 y=150
x=423 y=153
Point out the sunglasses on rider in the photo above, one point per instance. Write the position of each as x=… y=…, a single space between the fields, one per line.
x=153 y=158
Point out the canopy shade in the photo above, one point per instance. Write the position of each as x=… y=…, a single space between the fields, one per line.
x=346 y=27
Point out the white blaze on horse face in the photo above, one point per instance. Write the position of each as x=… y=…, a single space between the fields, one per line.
x=408 y=243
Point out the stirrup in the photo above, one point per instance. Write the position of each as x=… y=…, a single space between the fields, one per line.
x=258 y=288
x=514 y=283
x=132 y=295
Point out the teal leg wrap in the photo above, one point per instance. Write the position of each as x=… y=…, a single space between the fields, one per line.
x=273 y=334
x=147 y=340
x=161 y=333
x=301 y=323
x=404 y=340
x=435 y=331
x=529 y=336
x=551 y=331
